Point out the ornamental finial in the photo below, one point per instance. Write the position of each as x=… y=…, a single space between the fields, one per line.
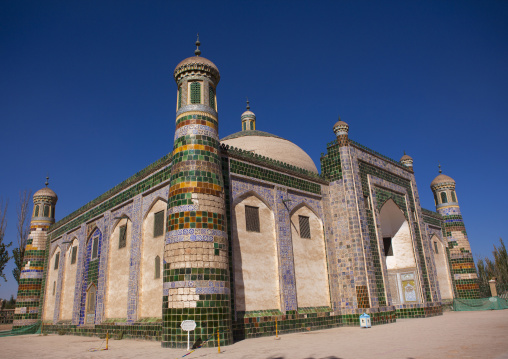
x=197 y=51
x=440 y=168
x=47 y=178
x=248 y=106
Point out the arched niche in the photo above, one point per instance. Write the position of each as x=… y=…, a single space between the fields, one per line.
x=309 y=251
x=69 y=280
x=398 y=253
x=117 y=274
x=441 y=262
x=255 y=262
x=152 y=246
x=51 y=283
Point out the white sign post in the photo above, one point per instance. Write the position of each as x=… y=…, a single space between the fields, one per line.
x=188 y=326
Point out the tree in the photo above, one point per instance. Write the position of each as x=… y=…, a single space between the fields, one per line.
x=4 y=254
x=498 y=269
x=23 y=227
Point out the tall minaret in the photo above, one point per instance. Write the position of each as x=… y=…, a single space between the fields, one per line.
x=31 y=279
x=196 y=262
x=461 y=258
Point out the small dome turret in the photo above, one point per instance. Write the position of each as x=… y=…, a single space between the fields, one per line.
x=407 y=160
x=442 y=181
x=44 y=205
x=248 y=119
x=341 y=130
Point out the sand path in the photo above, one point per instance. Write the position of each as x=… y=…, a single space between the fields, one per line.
x=453 y=335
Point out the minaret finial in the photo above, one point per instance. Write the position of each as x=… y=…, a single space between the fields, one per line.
x=248 y=106
x=47 y=178
x=197 y=51
x=404 y=151
x=440 y=168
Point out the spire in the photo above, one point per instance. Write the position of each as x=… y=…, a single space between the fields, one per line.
x=248 y=106
x=404 y=151
x=440 y=168
x=197 y=51
x=47 y=178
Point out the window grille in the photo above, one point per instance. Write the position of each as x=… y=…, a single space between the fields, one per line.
x=252 y=218
x=158 y=224
x=74 y=254
x=454 y=198
x=211 y=97
x=304 y=227
x=387 y=243
x=179 y=97
x=36 y=211
x=435 y=247
x=443 y=197
x=95 y=247
x=57 y=259
x=122 y=242
x=157 y=267
x=46 y=211
x=195 y=89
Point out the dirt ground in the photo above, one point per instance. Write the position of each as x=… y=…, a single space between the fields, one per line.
x=454 y=335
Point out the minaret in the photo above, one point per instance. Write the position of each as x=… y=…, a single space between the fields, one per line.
x=461 y=258
x=248 y=119
x=31 y=279
x=196 y=262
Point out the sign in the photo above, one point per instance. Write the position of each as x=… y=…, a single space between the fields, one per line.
x=188 y=325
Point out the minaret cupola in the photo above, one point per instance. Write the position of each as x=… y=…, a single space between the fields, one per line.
x=443 y=188
x=44 y=205
x=248 y=119
x=197 y=79
x=407 y=161
x=341 y=130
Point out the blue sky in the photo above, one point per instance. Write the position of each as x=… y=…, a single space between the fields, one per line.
x=87 y=92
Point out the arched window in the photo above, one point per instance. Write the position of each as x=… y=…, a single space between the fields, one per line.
x=36 y=214
x=435 y=199
x=46 y=211
x=157 y=267
x=454 y=198
x=244 y=126
x=57 y=260
x=252 y=125
x=195 y=89
x=211 y=97
x=179 y=97
x=443 y=197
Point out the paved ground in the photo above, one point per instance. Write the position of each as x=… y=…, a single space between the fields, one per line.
x=453 y=335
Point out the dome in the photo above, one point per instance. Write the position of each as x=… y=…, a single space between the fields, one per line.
x=248 y=114
x=196 y=60
x=441 y=179
x=46 y=192
x=271 y=146
x=405 y=158
x=340 y=128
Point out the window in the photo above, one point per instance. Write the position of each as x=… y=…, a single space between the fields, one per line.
x=211 y=97
x=454 y=198
x=304 y=227
x=435 y=248
x=387 y=243
x=46 y=211
x=122 y=241
x=245 y=126
x=252 y=218
x=435 y=199
x=157 y=267
x=36 y=211
x=54 y=287
x=74 y=254
x=252 y=125
x=158 y=224
x=179 y=97
x=57 y=259
x=52 y=212
x=195 y=95
x=366 y=202
x=95 y=247
x=443 y=197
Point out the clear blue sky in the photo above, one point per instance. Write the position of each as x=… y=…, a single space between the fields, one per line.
x=87 y=93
